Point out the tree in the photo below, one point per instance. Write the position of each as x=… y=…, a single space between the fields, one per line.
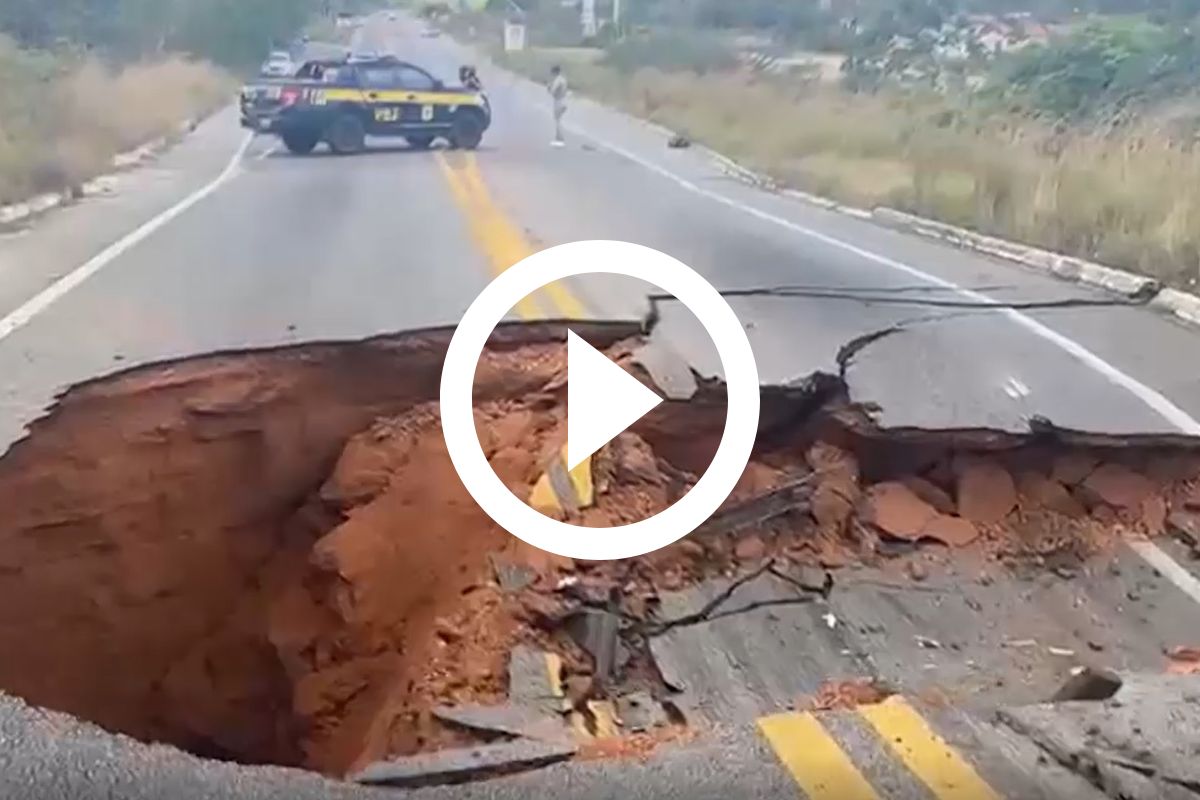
x=234 y=32
x=1102 y=67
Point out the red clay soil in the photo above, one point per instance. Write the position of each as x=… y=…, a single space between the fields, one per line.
x=1183 y=660
x=171 y=567
x=269 y=558
x=844 y=694
x=638 y=746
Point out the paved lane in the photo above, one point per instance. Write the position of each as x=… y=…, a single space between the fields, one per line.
x=326 y=247
x=1117 y=370
x=287 y=249
x=290 y=249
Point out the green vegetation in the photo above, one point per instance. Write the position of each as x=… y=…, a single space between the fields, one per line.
x=61 y=121
x=670 y=52
x=1102 y=69
x=1074 y=129
x=1130 y=200
x=234 y=33
x=85 y=79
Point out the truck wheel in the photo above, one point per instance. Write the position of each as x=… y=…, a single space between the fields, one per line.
x=419 y=142
x=467 y=131
x=300 y=141
x=346 y=135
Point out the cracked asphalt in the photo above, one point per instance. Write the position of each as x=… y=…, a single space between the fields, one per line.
x=290 y=249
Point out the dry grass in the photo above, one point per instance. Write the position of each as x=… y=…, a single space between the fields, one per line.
x=58 y=127
x=1130 y=200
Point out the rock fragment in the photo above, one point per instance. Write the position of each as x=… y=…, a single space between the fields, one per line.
x=897 y=511
x=986 y=492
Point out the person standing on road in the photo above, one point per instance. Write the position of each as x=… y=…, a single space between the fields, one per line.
x=558 y=94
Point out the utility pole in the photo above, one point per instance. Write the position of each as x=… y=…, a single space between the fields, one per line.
x=587 y=18
x=617 y=18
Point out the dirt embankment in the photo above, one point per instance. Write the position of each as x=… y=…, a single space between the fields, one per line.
x=269 y=558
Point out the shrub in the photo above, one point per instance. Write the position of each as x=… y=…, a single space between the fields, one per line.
x=62 y=122
x=1130 y=199
x=670 y=52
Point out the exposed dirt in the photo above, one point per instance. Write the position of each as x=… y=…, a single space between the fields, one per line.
x=1183 y=660
x=636 y=745
x=268 y=557
x=848 y=694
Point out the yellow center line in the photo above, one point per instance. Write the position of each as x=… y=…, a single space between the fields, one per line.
x=554 y=674
x=501 y=240
x=927 y=755
x=488 y=234
x=815 y=761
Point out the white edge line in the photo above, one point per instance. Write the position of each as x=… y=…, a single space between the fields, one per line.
x=1152 y=398
x=55 y=291
x=1158 y=558
x=1148 y=550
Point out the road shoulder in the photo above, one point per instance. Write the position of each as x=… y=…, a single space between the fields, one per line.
x=52 y=246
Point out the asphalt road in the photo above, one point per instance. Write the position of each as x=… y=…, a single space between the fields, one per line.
x=261 y=248
x=322 y=247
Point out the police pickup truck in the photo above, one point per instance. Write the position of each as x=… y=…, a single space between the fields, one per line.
x=341 y=102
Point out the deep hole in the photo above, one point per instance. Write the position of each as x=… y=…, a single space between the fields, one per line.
x=1091 y=684
x=207 y=555
x=266 y=558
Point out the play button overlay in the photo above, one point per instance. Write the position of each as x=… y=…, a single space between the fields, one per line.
x=602 y=400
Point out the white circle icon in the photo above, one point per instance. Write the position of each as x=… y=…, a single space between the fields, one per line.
x=458 y=421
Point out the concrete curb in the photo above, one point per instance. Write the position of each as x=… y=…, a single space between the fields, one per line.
x=15 y=214
x=1125 y=284
x=827 y=204
x=1181 y=305
x=1117 y=281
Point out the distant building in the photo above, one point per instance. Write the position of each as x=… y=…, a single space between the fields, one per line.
x=998 y=33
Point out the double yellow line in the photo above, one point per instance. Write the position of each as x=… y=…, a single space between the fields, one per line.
x=806 y=749
x=825 y=771
x=498 y=237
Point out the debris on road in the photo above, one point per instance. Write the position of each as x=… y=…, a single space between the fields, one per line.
x=639 y=746
x=897 y=511
x=597 y=633
x=950 y=531
x=917 y=570
x=466 y=763
x=1020 y=644
x=1136 y=741
x=1183 y=660
x=848 y=694
x=1088 y=684
x=507 y=719
x=511 y=577
x=535 y=679
x=986 y=492
x=931 y=493
x=639 y=712
x=254 y=531
x=1185 y=525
